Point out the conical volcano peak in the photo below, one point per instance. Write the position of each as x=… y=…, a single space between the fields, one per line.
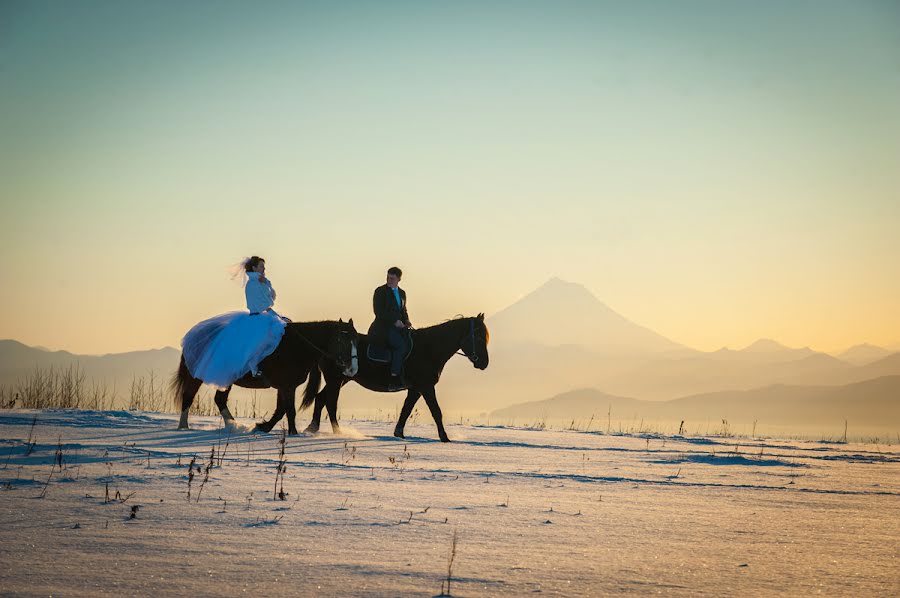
x=566 y=313
x=557 y=289
x=557 y=283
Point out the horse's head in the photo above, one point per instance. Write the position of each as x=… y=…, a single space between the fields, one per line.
x=475 y=341
x=343 y=345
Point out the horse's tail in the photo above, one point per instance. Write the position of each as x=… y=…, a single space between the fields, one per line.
x=312 y=387
x=177 y=384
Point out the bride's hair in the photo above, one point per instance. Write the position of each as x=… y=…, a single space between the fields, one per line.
x=252 y=262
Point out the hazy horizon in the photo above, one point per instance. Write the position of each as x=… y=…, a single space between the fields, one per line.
x=550 y=341
x=717 y=173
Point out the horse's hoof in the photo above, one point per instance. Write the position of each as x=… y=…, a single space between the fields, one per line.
x=258 y=429
x=184 y=427
x=292 y=432
x=444 y=439
x=399 y=434
x=311 y=430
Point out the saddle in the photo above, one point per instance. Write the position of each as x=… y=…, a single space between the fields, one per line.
x=382 y=354
x=378 y=354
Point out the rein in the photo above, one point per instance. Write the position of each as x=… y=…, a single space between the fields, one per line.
x=314 y=346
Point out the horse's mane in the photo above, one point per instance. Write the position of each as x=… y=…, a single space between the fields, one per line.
x=318 y=327
x=442 y=325
x=318 y=323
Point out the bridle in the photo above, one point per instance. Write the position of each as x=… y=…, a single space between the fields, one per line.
x=474 y=356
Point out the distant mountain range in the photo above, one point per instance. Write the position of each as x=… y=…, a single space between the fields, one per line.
x=557 y=338
x=18 y=360
x=766 y=350
x=666 y=379
x=561 y=337
x=869 y=404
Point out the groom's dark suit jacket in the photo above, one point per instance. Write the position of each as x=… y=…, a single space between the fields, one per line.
x=386 y=313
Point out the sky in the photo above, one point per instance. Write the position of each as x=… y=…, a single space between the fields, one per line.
x=715 y=171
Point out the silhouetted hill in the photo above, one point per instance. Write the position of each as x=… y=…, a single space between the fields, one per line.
x=767 y=345
x=872 y=403
x=885 y=366
x=582 y=404
x=768 y=350
x=18 y=360
x=863 y=354
x=671 y=378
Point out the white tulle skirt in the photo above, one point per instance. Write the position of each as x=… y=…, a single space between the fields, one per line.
x=224 y=348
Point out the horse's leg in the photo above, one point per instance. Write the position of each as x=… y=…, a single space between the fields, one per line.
x=314 y=423
x=411 y=397
x=222 y=404
x=290 y=402
x=431 y=400
x=188 y=392
x=280 y=409
x=331 y=402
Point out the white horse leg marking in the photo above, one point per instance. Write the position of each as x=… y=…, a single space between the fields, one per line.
x=226 y=415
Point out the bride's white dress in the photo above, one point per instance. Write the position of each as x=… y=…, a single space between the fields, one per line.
x=224 y=348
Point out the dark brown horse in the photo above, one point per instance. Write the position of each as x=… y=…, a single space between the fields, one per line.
x=304 y=346
x=432 y=349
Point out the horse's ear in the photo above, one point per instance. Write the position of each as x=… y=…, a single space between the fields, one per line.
x=351 y=321
x=481 y=316
x=340 y=320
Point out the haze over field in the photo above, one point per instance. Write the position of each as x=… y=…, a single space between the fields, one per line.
x=561 y=354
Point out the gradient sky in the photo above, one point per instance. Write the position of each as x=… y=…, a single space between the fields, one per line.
x=716 y=171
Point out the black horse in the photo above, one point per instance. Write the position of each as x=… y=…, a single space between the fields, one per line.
x=304 y=346
x=432 y=349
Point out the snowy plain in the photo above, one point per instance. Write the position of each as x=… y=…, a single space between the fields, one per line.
x=535 y=512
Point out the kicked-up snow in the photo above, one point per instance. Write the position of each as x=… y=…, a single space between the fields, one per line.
x=102 y=504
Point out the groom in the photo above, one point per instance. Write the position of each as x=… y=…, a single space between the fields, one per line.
x=391 y=324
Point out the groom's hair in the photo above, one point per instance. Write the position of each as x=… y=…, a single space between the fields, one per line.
x=395 y=271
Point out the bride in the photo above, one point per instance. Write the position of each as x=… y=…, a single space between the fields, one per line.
x=224 y=348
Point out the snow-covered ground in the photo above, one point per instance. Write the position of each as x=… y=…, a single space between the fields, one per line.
x=535 y=511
